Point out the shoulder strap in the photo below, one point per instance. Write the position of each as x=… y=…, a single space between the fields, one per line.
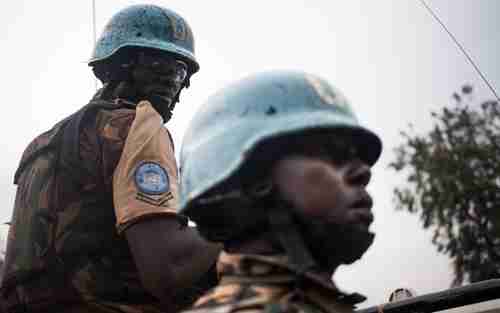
x=70 y=136
x=67 y=137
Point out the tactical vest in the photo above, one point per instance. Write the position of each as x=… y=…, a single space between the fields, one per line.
x=55 y=254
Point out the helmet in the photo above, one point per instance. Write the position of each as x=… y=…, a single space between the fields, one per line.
x=231 y=125
x=146 y=26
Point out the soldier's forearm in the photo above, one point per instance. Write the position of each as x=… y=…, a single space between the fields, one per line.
x=169 y=257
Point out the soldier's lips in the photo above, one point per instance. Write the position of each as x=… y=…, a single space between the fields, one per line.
x=361 y=215
x=360 y=218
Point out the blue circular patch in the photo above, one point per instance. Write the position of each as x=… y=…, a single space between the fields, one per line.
x=151 y=178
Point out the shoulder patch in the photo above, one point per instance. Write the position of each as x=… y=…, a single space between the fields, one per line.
x=151 y=178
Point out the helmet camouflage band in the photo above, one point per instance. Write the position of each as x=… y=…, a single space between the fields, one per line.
x=146 y=26
x=229 y=127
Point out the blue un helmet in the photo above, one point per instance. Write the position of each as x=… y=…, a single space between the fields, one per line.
x=146 y=26
x=230 y=126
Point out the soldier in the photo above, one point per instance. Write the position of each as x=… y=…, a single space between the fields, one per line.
x=94 y=226
x=281 y=180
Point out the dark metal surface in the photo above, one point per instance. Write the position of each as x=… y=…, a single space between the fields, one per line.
x=447 y=299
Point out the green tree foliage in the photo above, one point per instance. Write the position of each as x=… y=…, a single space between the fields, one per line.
x=453 y=183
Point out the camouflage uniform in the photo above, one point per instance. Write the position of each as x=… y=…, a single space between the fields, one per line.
x=63 y=247
x=259 y=283
x=110 y=164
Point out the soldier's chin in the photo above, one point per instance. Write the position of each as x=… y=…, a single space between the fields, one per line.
x=359 y=246
x=162 y=105
x=346 y=245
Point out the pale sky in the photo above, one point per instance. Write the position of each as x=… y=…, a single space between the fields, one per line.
x=389 y=57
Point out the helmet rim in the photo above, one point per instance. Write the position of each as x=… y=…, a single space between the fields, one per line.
x=162 y=46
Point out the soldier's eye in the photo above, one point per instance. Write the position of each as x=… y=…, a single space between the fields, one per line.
x=342 y=150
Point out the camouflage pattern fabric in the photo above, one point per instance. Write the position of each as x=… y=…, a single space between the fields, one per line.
x=267 y=284
x=63 y=252
x=102 y=307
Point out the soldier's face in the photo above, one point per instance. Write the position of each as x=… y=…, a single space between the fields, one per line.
x=325 y=189
x=328 y=191
x=158 y=79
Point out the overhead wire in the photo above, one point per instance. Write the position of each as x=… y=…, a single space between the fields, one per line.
x=94 y=31
x=461 y=47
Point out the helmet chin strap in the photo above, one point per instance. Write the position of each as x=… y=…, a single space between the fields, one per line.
x=287 y=233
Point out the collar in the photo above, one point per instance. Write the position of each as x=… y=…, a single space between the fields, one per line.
x=99 y=95
x=276 y=278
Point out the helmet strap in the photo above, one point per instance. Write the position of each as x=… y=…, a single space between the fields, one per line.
x=288 y=235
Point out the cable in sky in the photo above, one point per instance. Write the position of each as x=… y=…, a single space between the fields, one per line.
x=96 y=83
x=434 y=15
x=93 y=21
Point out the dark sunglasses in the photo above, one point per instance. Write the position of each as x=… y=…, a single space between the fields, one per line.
x=164 y=65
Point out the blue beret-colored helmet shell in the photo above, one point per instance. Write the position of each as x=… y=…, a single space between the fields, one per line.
x=146 y=26
x=235 y=120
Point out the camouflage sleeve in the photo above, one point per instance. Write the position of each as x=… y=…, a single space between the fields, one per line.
x=101 y=144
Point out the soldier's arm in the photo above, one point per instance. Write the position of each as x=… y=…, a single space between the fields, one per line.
x=170 y=257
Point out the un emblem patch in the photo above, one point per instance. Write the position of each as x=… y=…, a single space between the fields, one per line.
x=151 y=178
